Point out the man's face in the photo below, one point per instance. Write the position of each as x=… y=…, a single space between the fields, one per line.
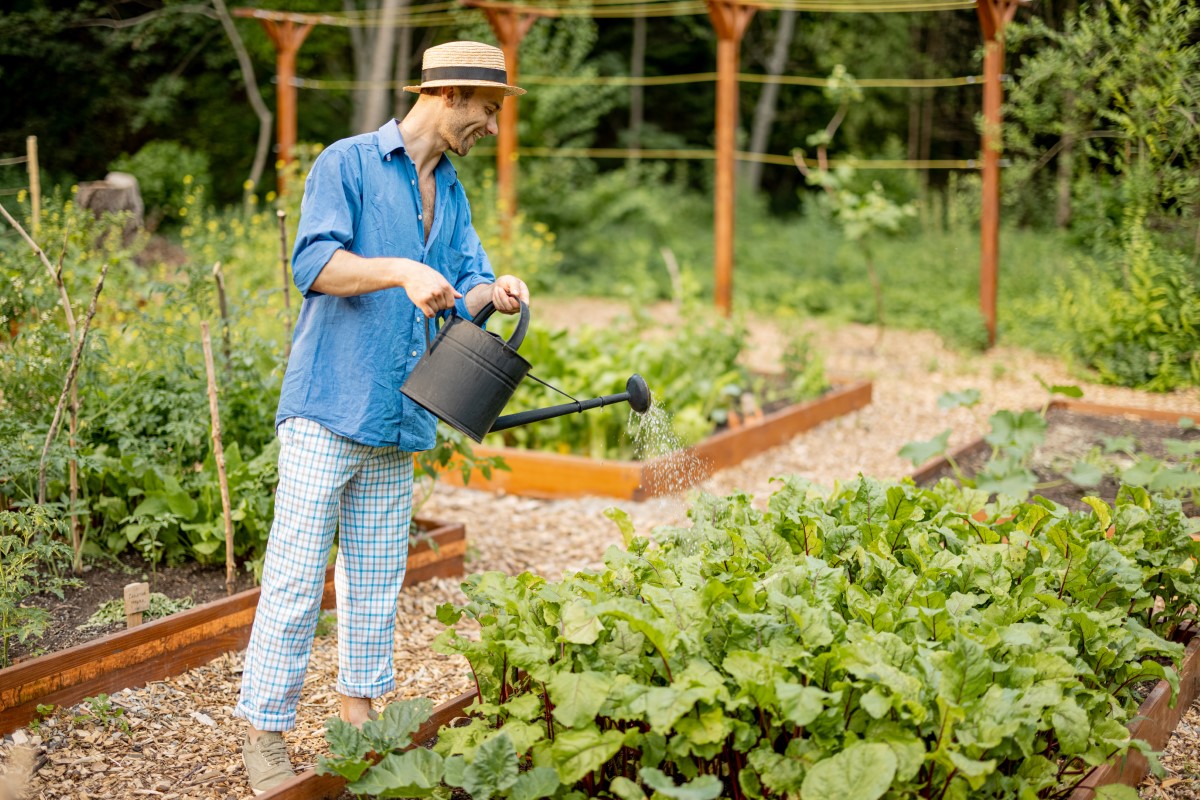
x=469 y=116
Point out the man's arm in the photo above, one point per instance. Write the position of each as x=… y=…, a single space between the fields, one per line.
x=347 y=274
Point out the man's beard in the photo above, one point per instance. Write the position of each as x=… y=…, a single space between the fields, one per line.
x=464 y=141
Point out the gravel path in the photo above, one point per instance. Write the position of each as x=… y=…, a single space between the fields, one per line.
x=183 y=740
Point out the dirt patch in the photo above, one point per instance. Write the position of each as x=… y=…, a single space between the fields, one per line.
x=104 y=582
x=1071 y=437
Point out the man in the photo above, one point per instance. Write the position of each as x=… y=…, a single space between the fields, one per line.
x=385 y=243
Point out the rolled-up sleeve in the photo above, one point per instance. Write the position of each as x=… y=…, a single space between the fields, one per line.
x=476 y=268
x=332 y=201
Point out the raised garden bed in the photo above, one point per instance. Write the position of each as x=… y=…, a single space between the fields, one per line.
x=1074 y=428
x=172 y=645
x=1081 y=425
x=546 y=475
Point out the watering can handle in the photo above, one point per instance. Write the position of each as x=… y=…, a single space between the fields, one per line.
x=518 y=335
x=514 y=341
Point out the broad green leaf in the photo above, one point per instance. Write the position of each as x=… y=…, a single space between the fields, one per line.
x=623 y=522
x=535 y=783
x=967 y=398
x=1101 y=509
x=413 y=773
x=800 y=704
x=1085 y=474
x=1019 y=433
x=580 y=623
x=1116 y=791
x=492 y=770
x=1071 y=725
x=394 y=728
x=626 y=789
x=975 y=771
x=578 y=696
x=576 y=753
x=860 y=772
x=920 y=452
x=704 y=787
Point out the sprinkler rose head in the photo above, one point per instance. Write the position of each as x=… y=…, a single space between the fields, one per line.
x=639 y=393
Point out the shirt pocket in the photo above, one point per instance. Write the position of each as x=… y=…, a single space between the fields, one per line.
x=448 y=260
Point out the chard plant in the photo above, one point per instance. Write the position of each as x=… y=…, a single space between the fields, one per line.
x=882 y=640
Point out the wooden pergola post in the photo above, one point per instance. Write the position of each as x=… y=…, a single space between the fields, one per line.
x=287 y=34
x=510 y=24
x=729 y=20
x=994 y=15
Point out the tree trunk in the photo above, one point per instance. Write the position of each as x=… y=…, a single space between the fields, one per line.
x=1066 y=166
x=362 y=44
x=404 y=68
x=263 y=148
x=764 y=111
x=375 y=105
x=637 y=69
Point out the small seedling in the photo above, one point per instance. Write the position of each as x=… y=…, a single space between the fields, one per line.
x=99 y=709
x=44 y=712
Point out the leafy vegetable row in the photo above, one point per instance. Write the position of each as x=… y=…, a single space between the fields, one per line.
x=883 y=641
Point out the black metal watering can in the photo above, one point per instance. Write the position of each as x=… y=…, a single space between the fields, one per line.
x=467 y=375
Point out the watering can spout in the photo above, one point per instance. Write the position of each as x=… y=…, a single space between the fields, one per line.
x=636 y=393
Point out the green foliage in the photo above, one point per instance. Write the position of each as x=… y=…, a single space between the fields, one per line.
x=1112 y=82
x=876 y=641
x=691 y=368
x=32 y=561
x=165 y=170
x=99 y=710
x=112 y=612
x=1135 y=319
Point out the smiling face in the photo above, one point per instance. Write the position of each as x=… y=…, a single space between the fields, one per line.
x=469 y=114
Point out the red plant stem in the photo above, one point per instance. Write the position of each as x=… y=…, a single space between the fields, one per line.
x=946 y=785
x=1066 y=572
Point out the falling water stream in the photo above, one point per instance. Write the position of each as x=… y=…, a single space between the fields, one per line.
x=672 y=467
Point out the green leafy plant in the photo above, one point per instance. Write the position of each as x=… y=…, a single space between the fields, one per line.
x=881 y=640
x=31 y=561
x=99 y=710
x=112 y=612
x=165 y=170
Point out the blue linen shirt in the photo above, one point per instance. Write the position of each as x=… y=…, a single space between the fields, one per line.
x=350 y=355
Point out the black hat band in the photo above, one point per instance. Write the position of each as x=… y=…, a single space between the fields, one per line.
x=464 y=74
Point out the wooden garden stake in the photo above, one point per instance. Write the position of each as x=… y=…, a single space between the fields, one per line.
x=137 y=602
x=35 y=182
x=218 y=454
x=224 y=306
x=287 y=294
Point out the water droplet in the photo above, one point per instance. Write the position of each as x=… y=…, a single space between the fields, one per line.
x=671 y=468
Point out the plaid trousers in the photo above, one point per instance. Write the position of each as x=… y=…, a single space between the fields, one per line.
x=328 y=483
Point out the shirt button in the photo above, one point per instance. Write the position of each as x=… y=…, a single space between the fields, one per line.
x=419 y=216
x=412 y=183
x=414 y=352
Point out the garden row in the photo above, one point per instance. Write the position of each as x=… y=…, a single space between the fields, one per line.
x=1173 y=545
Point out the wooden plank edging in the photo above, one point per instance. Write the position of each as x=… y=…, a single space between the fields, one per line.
x=308 y=785
x=1155 y=723
x=172 y=645
x=550 y=475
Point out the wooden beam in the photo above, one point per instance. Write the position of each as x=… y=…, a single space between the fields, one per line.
x=510 y=24
x=994 y=15
x=286 y=35
x=729 y=20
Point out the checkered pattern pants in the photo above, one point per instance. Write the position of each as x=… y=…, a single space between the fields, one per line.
x=328 y=482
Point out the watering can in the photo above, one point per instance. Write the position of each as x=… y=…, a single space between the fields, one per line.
x=467 y=375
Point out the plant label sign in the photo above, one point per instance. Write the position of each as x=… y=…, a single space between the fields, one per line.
x=137 y=601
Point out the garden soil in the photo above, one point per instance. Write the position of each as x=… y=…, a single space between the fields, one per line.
x=184 y=741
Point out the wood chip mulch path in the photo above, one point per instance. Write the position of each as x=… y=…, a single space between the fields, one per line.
x=184 y=743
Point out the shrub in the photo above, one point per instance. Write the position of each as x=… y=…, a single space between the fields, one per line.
x=31 y=561
x=1136 y=319
x=164 y=170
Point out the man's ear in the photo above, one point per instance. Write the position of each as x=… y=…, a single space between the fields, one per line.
x=451 y=95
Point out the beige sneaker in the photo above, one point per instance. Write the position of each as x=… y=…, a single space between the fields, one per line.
x=267 y=762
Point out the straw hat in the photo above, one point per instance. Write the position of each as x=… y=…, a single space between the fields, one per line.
x=464 y=64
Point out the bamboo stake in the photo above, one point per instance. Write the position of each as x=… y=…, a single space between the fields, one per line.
x=287 y=301
x=226 y=346
x=35 y=182
x=76 y=357
x=218 y=454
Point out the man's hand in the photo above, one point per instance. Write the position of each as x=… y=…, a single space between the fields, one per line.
x=428 y=289
x=506 y=291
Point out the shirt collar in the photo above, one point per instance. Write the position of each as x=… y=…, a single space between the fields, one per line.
x=391 y=140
